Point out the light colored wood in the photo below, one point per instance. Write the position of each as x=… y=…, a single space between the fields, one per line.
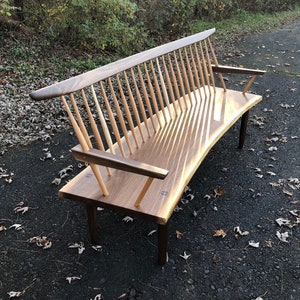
x=112 y=119
x=143 y=191
x=179 y=77
x=92 y=122
x=102 y=121
x=169 y=109
x=134 y=108
x=170 y=88
x=152 y=94
x=146 y=97
x=120 y=116
x=171 y=148
x=157 y=91
x=140 y=101
x=217 y=64
x=127 y=111
x=81 y=81
x=174 y=81
x=247 y=87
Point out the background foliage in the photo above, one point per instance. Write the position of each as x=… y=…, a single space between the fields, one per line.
x=126 y=26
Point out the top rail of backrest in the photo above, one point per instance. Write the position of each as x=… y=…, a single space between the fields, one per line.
x=86 y=79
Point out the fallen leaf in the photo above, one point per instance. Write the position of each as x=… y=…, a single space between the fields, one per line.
x=219 y=233
x=240 y=232
x=287 y=192
x=273 y=148
x=97 y=248
x=13 y=294
x=128 y=219
x=16 y=226
x=70 y=279
x=152 y=232
x=79 y=246
x=23 y=209
x=295 y=212
x=179 y=235
x=284 y=222
x=254 y=244
x=185 y=255
x=282 y=236
x=2 y=228
x=219 y=191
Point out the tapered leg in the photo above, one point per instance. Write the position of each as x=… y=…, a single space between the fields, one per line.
x=243 y=129
x=92 y=223
x=162 y=243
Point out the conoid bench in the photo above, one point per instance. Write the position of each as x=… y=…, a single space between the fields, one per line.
x=145 y=123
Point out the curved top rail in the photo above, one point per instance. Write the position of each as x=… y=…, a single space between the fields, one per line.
x=80 y=81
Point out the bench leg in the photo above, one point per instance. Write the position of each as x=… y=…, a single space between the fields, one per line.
x=243 y=129
x=92 y=223
x=162 y=243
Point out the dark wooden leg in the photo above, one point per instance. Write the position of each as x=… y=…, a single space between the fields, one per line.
x=92 y=223
x=243 y=129
x=162 y=243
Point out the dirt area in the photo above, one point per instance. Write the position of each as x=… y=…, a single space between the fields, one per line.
x=257 y=210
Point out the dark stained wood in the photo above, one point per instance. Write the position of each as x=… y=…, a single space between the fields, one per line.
x=107 y=159
x=228 y=69
x=162 y=239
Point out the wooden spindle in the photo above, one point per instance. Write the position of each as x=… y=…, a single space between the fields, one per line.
x=127 y=111
x=80 y=121
x=152 y=94
x=163 y=87
x=133 y=106
x=146 y=97
x=112 y=119
x=200 y=69
x=143 y=192
x=185 y=77
x=211 y=73
x=174 y=81
x=85 y=147
x=120 y=115
x=103 y=122
x=92 y=122
x=190 y=74
x=195 y=70
x=158 y=92
x=179 y=76
x=204 y=67
x=170 y=88
x=245 y=90
x=216 y=63
x=140 y=101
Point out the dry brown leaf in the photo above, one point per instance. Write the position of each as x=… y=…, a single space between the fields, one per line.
x=219 y=233
x=179 y=234
x=219 y=191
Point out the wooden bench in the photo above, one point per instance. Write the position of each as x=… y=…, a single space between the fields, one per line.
x=145 y=123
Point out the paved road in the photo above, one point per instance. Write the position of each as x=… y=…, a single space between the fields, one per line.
x=261 y=186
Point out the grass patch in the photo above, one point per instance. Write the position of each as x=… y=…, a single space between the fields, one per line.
x=245 y=22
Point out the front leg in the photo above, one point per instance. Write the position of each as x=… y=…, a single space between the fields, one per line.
x=162 y=243
x=243 y=129
x=92 y=223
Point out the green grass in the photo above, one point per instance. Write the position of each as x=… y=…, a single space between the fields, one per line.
x=248 y=22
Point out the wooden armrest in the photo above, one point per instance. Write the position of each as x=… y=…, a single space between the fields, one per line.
x=107 y=159
x=228 y=69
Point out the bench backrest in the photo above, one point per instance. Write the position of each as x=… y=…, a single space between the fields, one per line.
x=125 y=102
